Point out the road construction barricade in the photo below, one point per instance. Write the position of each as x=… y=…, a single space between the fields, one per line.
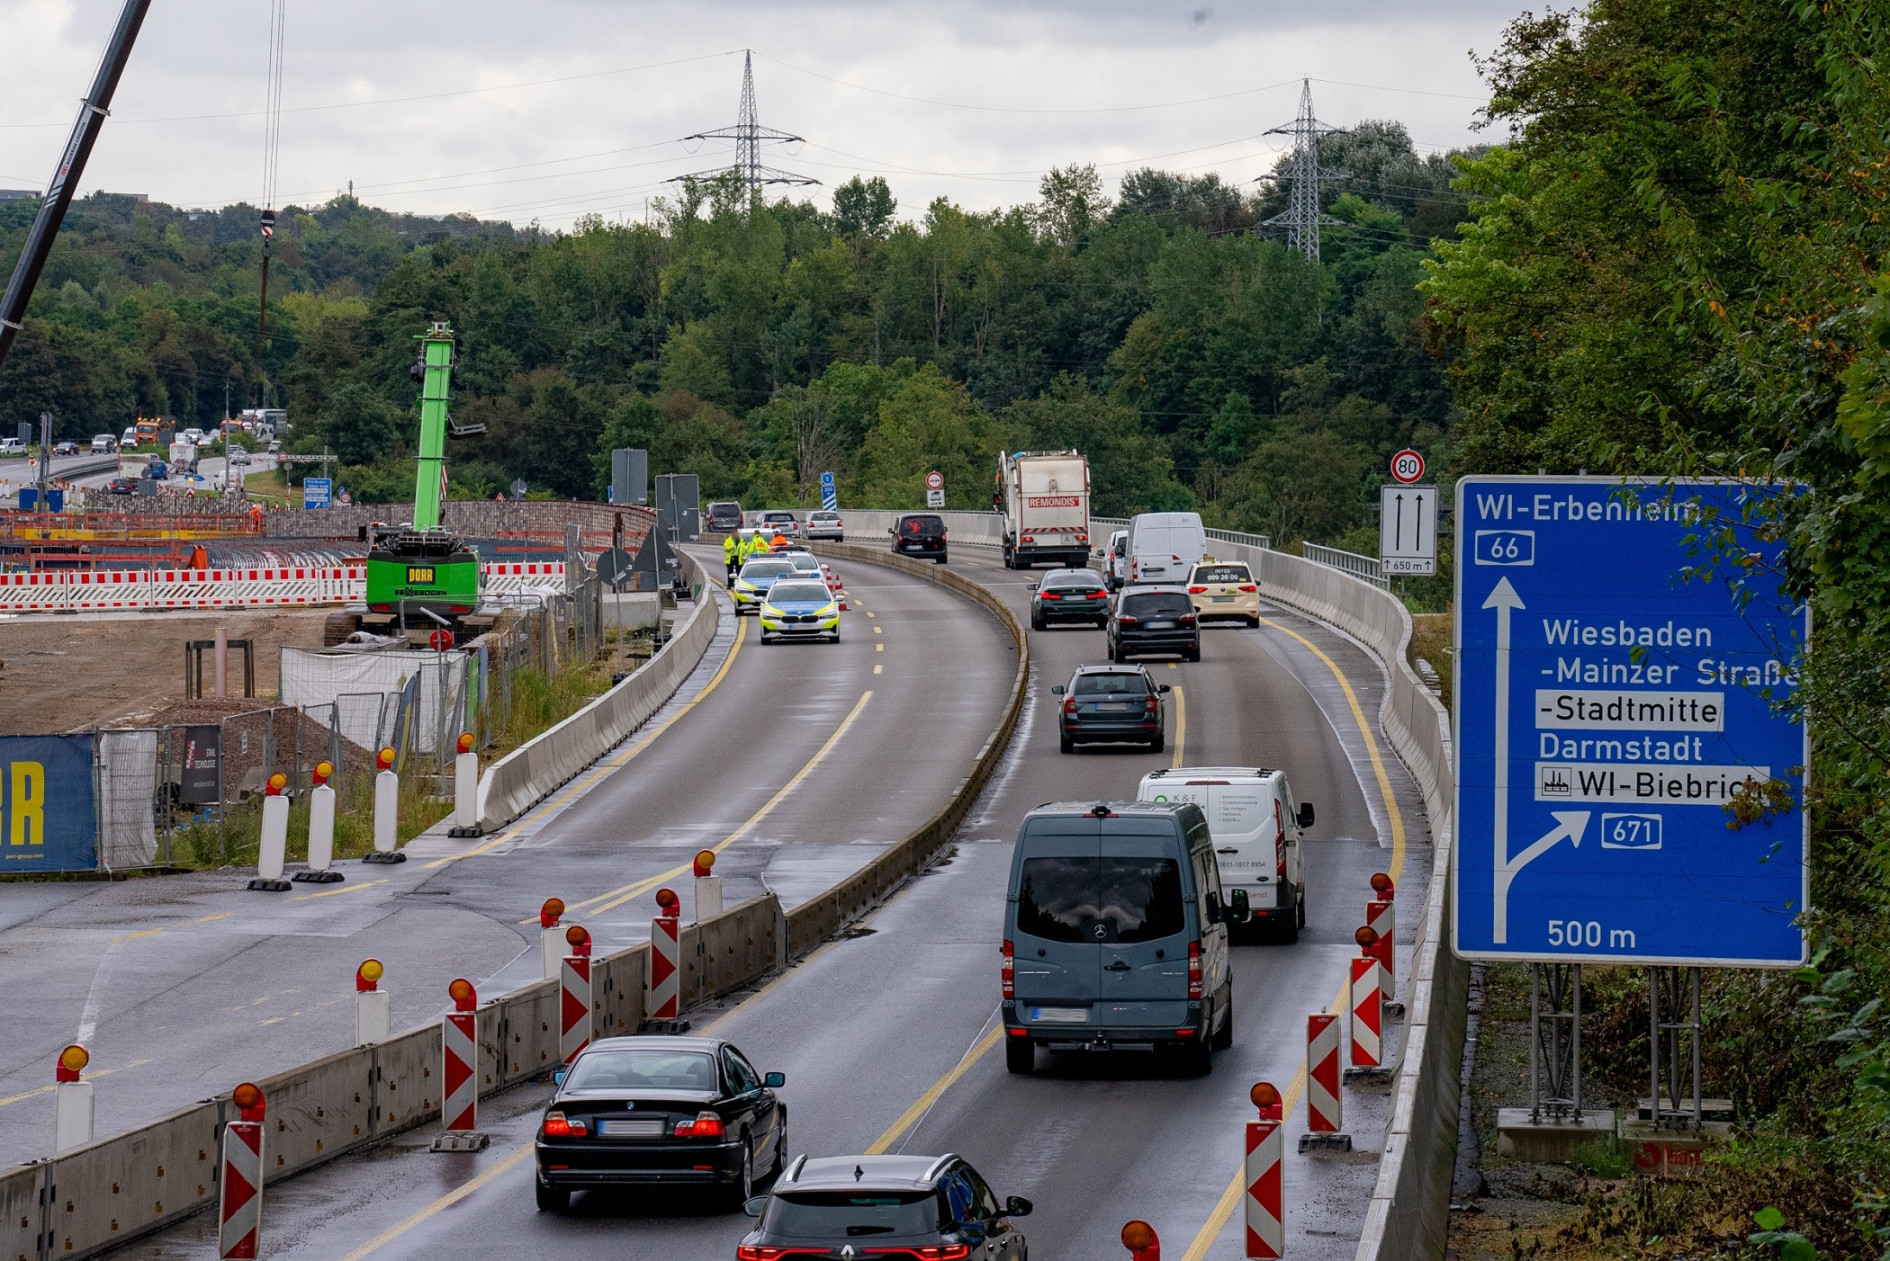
x=261 y=587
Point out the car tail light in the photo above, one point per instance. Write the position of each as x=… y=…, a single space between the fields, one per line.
x=1048 y=595
x=1152 y=705
x=1069 y=704
x=706 y=1125
x=1279 y=843
x=1099 y=595
x=761 y=1252
x=1248 y=587
x=1029 y=539
x=935 y=1252
x=557 y=1125
x=1194 y=969
x=1009 y=971
x=1124 y=619
x=1186 y=619
x=1197 y=590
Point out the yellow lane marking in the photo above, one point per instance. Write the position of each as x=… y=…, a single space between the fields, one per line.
x=149 y=932
x=346 y=888
x=617 y=763
x=876 y=630
x=1230 y=1198
x=869 y=614
x=1181 y=729
x=910 y=1116
x=444 y=1202
x=1174 y=665
x=879 y=647
x=611 y=901
x=273 y=1020
x=48 y=1089
x=205 y=919
x=877 y=669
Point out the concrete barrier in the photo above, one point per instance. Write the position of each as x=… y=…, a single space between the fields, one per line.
x=527 y=775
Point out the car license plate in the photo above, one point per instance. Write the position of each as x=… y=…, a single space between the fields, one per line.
x=1222 y=599
x=1161 y=626
x=633 y=1127
x=1114 y=707
x=1060 y=1015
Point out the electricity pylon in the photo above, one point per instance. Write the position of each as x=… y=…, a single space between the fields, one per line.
x=1303 y=218
x=748 y=135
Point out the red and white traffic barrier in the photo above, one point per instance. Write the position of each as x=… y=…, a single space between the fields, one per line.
x=459 y=1073
x=72 y=1101
x=465 y=789
x=321 y=829
x=273 y=853
x=664 y=1003
x=1367 y=1003
x=708 y=887
x=1263 y=1201
x=373 y=1006
x=386 y=811
x=574 y=995
x=288 y=586
x=1381 y=916
x=240 y=1179
x=1142 y=1242
x=551 y=937
x=1325 y=1101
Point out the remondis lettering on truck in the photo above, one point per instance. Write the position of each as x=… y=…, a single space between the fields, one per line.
x=1631 y=764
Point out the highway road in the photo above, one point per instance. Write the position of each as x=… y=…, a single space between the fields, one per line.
x=800 y=761
x=888 y=1035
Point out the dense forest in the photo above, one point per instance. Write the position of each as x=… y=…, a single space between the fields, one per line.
x=759 y=342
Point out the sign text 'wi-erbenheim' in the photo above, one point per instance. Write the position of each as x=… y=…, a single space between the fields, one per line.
x=1631 y=768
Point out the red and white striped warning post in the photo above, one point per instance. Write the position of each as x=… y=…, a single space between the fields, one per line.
x=373 y=1006
x=1265 y=1207
x=1325 y=1100
x=1381 y=917
x=708 y=887
x=72 y=1100
x=321 y=828
x=386 y=810
x=459 y=1073
x=574 y=994
x=663 y=1006
x=1367 y=1003
x=551 y=937
x=273 y=852
x=465 y=787
x=1142 y=1242
x=240 y=1179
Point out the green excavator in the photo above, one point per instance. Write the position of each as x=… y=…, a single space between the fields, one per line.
x=422 y=576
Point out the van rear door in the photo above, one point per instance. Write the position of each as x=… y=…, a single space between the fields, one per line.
x=1142 y=922
x=1056 y=953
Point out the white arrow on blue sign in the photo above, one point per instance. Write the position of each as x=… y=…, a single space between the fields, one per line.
x=1625 y=666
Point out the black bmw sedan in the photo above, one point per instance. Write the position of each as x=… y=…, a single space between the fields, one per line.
x=660 y=1111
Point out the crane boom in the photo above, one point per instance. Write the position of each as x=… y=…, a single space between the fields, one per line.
x=429 y=485
x=65 y=180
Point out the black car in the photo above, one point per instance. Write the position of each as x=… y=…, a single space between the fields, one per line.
x=1113 y=703
x=1069 y=595
x=1153 y=619
x=122 y=486
x=920 y=535
x=66 y=448
x=726 y=515
x=901 y=1208
x=660 y=1111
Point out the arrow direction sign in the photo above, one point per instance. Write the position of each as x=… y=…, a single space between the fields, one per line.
x=1604 y=690
x=1407 y=530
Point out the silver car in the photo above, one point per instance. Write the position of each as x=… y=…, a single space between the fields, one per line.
x=778 y=521
x=826 y=524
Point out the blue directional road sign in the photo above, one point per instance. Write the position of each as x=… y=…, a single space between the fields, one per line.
x=1623 y=650
x=318 y=492
x=829 y=493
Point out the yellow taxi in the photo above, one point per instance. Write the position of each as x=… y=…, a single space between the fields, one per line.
x=1224 y=589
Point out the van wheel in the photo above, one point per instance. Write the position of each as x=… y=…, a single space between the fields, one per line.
x=1299 y=909
x=1225 y=1038
x=1197 y=1058
x=1019 y=1055
x=1288 y=932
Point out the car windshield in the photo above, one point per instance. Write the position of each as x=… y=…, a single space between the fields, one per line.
x=642 y=1069
x=790 y=592
x=850 y=1214
x=1156 y=604
x=1073 y=580
x=1222 y=573
x=1100 y=899
x=825 y=516
x=766 y=569
x=1103 y=684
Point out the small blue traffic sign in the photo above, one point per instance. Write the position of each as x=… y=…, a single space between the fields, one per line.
x=1624 y=672
x=829 y=493
x=318 y=492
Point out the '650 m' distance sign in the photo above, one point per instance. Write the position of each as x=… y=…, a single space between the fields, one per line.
x=1630 y=780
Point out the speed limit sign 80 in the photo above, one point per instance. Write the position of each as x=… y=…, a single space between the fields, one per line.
x=1407 y=466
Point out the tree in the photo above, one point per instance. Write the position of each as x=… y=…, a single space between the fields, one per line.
x=359 y=425
x=863 y=207
x=1072 y=202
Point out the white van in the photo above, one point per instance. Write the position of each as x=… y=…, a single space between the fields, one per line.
x=1116 y=559
x=1164 y=546
x=1257 y=827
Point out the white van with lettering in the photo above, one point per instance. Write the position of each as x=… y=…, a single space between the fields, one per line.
x=1256 y=826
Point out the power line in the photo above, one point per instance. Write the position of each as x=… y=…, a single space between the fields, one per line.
x=1303 y=218
x=748 y=135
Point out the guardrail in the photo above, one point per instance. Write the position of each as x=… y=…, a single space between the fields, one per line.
x=1365 y=567
x=109 y=1192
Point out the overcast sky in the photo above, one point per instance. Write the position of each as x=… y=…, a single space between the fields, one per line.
x=556 y=108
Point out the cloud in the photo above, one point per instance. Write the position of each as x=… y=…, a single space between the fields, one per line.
x=566 y=107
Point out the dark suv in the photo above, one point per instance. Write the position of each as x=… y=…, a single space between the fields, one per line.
x=726 y=515
x=1111 y=703
x=901 y=1208
x=1153 y=619
x=920 y=535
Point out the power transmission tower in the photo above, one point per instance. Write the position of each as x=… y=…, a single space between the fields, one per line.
x=748 y=135
x=1303 y=217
